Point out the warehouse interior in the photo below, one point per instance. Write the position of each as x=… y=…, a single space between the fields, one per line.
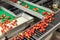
x=29 y=20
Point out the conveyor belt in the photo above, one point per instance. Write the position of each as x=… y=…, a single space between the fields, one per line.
x=22 y=25
x=32 y=6
x=39 y=34
x=26 y=10
x=3 y=11
x=51 y=28
x=13 y=9
x=57 y=18
x=18 y=28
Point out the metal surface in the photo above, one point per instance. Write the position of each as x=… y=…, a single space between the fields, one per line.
x=50 y=31
x=16 y=30
x=41 y=2
x=20 y=27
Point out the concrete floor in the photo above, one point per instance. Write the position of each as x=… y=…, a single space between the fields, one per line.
x=49 y=37
x=53 y=36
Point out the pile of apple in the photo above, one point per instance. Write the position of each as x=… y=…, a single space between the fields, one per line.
x=15 y=1
x=7 y=25
x=41 y=26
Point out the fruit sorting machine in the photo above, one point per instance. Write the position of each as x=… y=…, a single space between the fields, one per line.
x=32 y=10
x=37 y=27
x=9 y=21
x=31 y=21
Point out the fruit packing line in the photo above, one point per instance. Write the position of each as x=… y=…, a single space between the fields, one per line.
x=8 y=24
x=22 y=7
x=41 y=26
x=5 y=18
x=30 y=6
x=52 y=27
x=21 y=26
x=6 y=15
x=28 y=10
